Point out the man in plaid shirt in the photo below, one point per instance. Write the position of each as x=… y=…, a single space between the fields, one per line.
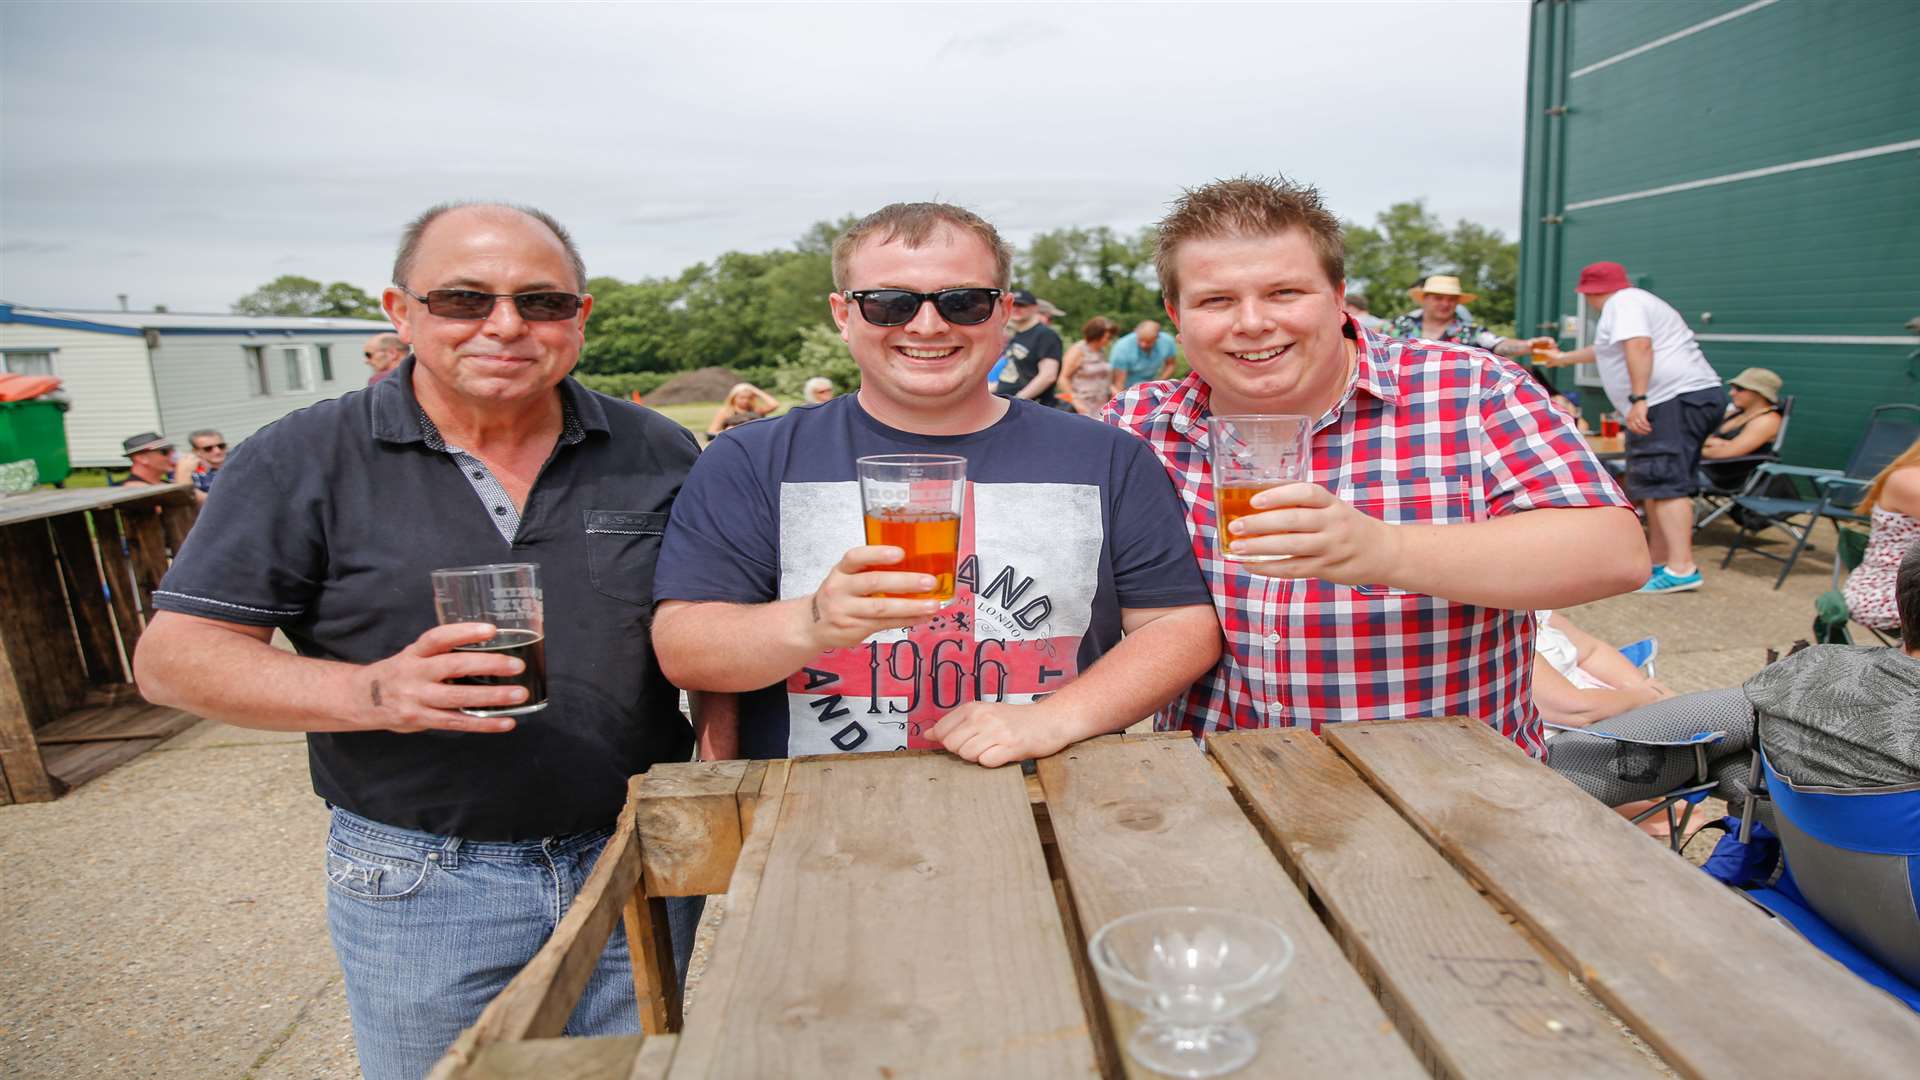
x=1448 y=500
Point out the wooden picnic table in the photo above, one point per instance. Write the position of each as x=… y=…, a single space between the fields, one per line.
x=77 y=572
x=1607 y=445
x=910 y=914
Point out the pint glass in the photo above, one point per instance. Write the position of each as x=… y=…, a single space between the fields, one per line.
x=914 y=502
x=508 y=596
x=1251 y=454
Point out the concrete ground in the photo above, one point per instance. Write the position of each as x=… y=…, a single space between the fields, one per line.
x=168 y=919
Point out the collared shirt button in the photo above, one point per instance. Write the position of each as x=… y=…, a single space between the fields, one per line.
x=478 y=475
x=500 y=510
x=1273 y=639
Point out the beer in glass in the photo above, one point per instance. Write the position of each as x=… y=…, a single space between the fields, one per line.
x=914 y=502
x=508 y=596
x=1250 y=454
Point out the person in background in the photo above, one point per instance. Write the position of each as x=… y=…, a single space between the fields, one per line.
x=1143 y=356
x=1568 y=402
x=384 y=353
x=1892 y=506
x=745 y=402
x=1357 y=307
x=1656 y=376
x=209 y=454
x=1086 y=371
x=149 y=457
x=1049 y=312
x=1032 y=355
x=1748 y=429
x=1579 y=679
x=1439 y=319
x=1412 y=562
x=816 y=390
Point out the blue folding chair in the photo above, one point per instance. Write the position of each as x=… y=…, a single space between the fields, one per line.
x=1819 y=493
x=1851 y=885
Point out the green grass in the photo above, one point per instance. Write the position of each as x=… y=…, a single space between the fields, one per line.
x=696 y=415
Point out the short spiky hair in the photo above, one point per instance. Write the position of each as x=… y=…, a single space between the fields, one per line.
x=1248 y=206
x=914 y=224
x=410 y=238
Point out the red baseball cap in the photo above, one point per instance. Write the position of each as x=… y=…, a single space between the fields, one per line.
x=1603 y=277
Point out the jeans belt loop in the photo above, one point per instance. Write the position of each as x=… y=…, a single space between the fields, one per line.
x=450 y=854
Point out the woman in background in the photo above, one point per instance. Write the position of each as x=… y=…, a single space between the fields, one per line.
x=1892 y=505
x=1085 y=369
x=744 y=402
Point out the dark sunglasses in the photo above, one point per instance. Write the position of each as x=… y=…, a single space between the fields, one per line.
x=897 y=307
x=211 y=446
x=469 y=304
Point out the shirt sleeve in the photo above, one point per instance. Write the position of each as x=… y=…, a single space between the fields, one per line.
x=1153 y=564
x=1485 y=339
x=1533 y=457
x=257 y=552
x=722 y=542
x=1049 y=348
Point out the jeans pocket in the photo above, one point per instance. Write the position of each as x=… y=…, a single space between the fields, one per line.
x=365 y=868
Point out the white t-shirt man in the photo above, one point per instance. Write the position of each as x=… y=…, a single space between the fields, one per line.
x=1679 y=367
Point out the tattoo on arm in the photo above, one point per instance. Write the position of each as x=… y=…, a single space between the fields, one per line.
x=374 y=692
x=814 y=603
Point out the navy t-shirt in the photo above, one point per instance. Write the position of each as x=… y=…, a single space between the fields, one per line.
x=1022 y=356
x=1067 y=522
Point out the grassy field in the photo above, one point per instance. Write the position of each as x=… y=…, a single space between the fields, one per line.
x=696 y=415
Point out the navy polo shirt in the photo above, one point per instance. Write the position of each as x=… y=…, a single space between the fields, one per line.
x=328 y=524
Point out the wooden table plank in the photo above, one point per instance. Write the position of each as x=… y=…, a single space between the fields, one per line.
x=688 y=815
x=1469 y=992
x=86 y=592
x=904 y=924
x=1151 y=823
x=34 y=505
x=1697 y=972
x=606 y=1057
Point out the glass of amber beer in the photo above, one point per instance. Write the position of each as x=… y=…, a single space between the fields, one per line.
x=508 y=596
x=913 y=502
x=1251 y=454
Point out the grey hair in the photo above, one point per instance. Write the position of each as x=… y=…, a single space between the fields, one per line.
x=203 y=433
x=410 y=238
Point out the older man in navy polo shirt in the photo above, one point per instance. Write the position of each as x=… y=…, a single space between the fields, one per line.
x=456 y=842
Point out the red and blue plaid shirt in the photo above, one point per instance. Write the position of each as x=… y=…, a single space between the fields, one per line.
x=1425 y=433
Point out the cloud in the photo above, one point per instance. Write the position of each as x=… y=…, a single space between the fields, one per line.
x=32 y=247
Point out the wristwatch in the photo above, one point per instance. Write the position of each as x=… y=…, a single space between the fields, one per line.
x=1635 y=399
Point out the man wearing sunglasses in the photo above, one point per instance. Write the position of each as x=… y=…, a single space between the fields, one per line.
x=1071 y=536
x=456 y=841
x=384 y=353
x=209 y=454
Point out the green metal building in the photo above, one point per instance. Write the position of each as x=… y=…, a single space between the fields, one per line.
x=1754 y=164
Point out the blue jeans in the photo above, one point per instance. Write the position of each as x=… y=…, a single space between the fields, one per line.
x=429 y=929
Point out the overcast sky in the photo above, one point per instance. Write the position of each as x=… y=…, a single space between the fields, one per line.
x=186 y=153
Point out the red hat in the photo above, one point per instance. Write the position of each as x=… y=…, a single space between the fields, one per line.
x=1603 y=277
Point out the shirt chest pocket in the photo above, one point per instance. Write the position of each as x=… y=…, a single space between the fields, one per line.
x=622 y=548
x=1423 y=500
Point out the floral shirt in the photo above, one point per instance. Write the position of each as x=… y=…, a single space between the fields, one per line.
x=1458 y=332
x=1425 y=433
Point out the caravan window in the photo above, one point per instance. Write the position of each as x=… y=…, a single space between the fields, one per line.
x=326 y=362
x=295 y=367
x=22 y=362
x=256 y=370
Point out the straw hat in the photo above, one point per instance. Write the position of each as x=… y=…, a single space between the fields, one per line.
x=1760 y=381
x=1442 y=285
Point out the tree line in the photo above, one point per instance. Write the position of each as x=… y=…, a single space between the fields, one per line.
x=764 y=314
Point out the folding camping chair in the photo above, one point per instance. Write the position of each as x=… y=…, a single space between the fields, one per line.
x=1819 y=493
x=1714 y=501
x=1852 y=857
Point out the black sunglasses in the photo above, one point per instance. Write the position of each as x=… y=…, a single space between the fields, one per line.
x=469 y=304
x=897 y=307
x=211 y=446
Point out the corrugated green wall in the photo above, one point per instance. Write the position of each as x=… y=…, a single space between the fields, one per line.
x=1831 y=250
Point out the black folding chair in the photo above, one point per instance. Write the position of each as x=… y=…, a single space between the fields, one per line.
x=1819 y=493
x=1714 y=500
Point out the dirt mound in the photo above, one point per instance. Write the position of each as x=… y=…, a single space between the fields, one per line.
x=706 y=384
